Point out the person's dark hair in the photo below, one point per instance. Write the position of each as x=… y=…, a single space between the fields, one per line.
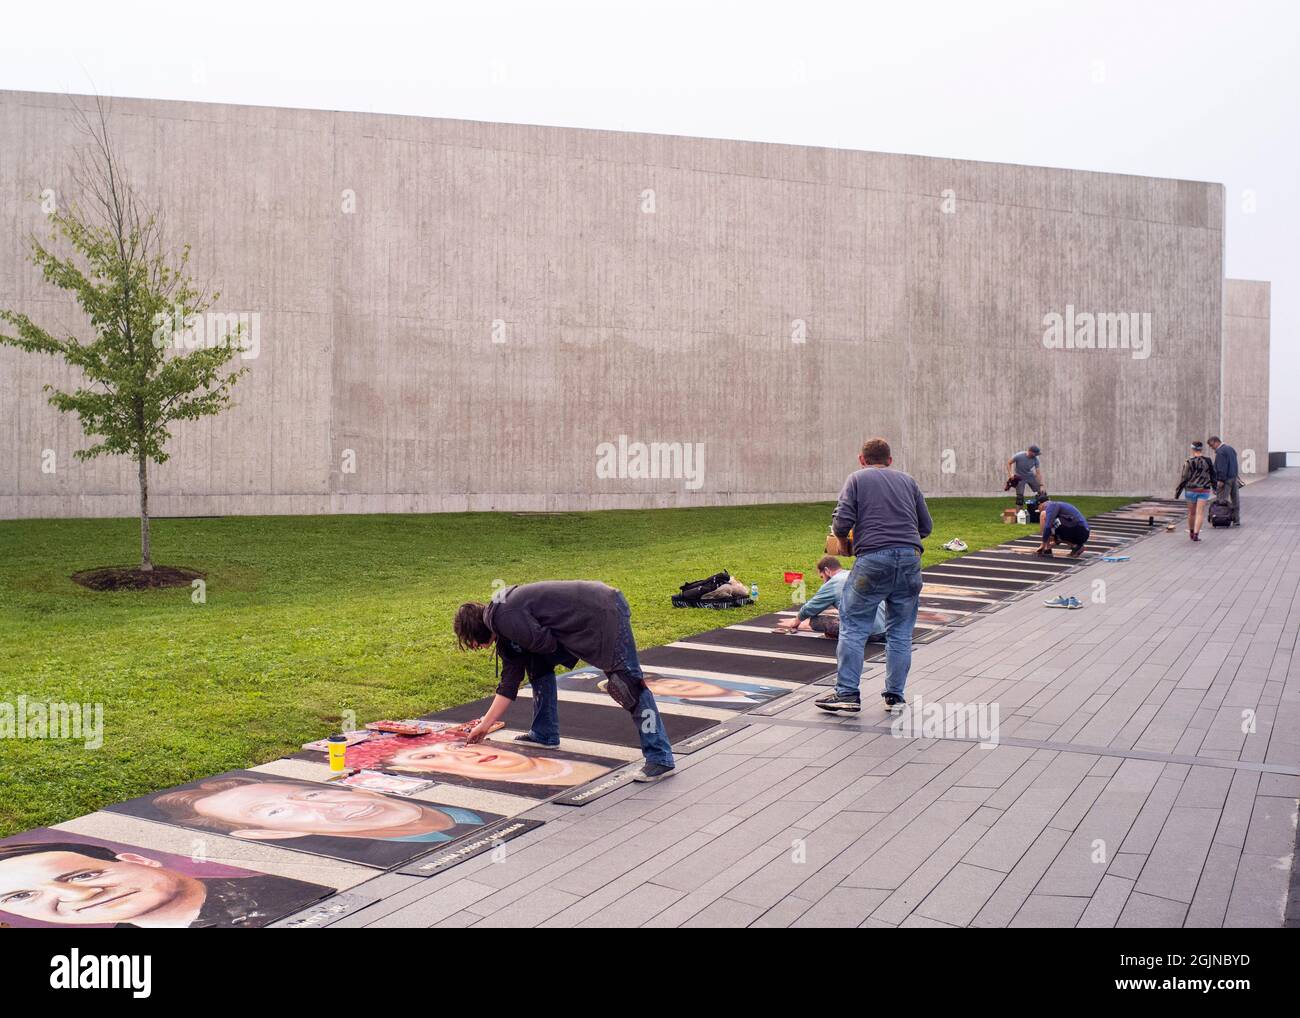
x=1198 y=446
x=1215 y=438
x=876 y=451
x=1033 y=450
x=39 y=847
x=470 y=628
x=827 y=563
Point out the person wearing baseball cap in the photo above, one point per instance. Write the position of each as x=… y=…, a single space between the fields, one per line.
x=1024 y=469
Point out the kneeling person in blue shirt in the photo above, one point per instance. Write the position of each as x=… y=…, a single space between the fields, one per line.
x=821 y=612
x=1062 y=523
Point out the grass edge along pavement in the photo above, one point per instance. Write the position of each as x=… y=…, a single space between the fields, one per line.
x=305 y=617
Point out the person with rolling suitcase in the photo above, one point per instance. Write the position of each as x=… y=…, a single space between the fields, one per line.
x=1227 y=477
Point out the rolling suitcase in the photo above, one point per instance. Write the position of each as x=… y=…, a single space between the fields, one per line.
x=1220 y=513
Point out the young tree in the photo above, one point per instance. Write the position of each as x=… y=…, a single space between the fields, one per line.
x=141 y=369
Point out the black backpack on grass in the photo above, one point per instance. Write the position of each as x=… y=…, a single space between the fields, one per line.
x=692 y=593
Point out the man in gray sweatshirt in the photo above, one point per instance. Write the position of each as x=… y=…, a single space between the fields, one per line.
x=887 y=514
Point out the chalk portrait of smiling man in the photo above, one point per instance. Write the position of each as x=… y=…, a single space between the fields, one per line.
x=73 y=882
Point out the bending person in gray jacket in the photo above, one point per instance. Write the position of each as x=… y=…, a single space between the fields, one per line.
x=536 y=626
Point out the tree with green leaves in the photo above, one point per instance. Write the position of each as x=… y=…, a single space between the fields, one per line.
x=139 y=365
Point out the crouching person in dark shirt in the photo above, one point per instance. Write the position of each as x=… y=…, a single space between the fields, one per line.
x=536 y=627
x=1062 y=523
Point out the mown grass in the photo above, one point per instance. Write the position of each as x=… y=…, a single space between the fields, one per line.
x=306 y=617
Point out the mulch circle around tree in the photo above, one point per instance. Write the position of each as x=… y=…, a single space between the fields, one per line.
x=135 y=578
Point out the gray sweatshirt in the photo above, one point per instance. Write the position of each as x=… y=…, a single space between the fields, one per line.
x=884 y=508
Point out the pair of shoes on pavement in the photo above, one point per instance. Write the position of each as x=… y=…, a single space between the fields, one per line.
x=836 y=704
x=956 y=544
x=1064 y=602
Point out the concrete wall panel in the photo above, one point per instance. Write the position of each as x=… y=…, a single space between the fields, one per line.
x=1245 y=371
x=677 y=325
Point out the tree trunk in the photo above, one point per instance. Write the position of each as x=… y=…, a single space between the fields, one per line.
x=146 y=562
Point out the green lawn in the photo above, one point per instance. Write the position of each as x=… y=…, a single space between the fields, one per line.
x=309 y=616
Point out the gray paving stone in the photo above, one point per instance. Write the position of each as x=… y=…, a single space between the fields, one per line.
x=1235 y=820
x=458 y=920
x=782 y=914
x=894 y=861
x=1104 y=907
x=784 y=874
x=1127 y=865
x=1259 y=892
x=1210 y=904
x=1206 y=786
x=1174 y=866
x=1045 y=910
x=1076 y=807
x=1151 y=820
x=1016 y=887
x=1285 y=785
x=1147 y=910
x=914 y=922
x=730 y=848
x=530 y=910
x=841 y=907
x=638 y=906
x=1007 y=840
x=889 y=795
x=960 y=895
x=1272 y=829
x=436 y=907
x=724 y=914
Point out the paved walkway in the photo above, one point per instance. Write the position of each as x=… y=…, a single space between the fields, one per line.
x=1146 y=774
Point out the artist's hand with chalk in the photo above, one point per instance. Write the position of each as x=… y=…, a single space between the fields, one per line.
x=488 y=722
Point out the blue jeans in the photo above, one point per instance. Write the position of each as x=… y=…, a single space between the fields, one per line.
x=888 y=576
x=655 y=746
x=546 y=710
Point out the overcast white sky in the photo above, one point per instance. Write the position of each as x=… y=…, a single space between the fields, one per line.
x=1198 y=89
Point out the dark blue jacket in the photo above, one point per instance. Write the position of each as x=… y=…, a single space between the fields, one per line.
x=1225 y=463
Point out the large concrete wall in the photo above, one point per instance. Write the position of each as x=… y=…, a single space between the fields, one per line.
x=1245 y=372
x=921 y=285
